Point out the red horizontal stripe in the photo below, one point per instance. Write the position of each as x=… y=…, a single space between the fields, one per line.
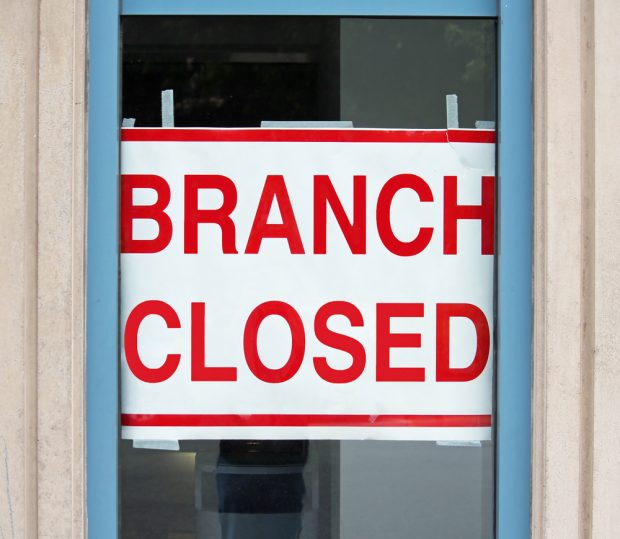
x=305 y=135
x=302 y=420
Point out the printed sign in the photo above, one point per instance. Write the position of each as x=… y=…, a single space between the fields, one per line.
x=307 y=284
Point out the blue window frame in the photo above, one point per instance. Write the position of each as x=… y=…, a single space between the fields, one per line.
x=513 y=412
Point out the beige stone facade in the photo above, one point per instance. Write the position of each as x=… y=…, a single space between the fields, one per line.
x=42 y=148
x=576 y=407
x=576 y=464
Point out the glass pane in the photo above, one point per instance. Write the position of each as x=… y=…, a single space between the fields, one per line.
x=377 y=73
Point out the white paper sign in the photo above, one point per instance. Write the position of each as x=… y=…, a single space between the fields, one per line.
x=313 y=284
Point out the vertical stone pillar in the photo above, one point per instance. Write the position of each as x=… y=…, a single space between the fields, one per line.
x=576 y=461
x=42 y=113
x=605 y=154
x=558 y=271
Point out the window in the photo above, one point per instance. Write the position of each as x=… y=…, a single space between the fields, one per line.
x=231 y=71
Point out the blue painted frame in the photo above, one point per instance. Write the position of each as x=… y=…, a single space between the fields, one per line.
x=513 y=411
x=514 y=357
x=102 y=271
x=403 y=8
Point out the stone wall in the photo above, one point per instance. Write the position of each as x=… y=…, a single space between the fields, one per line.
x=576 y=425
x=42 y=151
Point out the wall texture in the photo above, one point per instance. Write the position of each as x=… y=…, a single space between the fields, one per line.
x=576 y=461
x=576 y=423
x=42 y=112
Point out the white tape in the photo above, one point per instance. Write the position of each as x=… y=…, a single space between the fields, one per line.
x=166 y=445
x=452 y=111
x=337 y=124
x=462 y=443
x=167 y=108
